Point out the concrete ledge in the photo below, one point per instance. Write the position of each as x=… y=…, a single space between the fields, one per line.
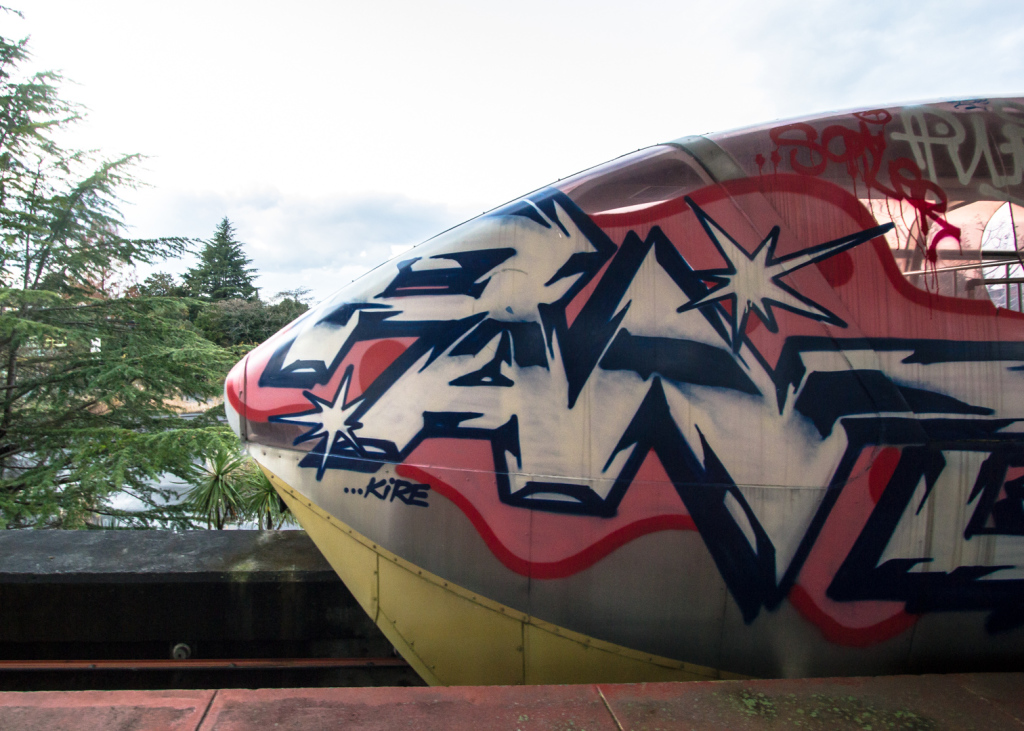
x=173 y=710
x=116 y=606
x=115 y=556
x=911 y=703
x=109 y=588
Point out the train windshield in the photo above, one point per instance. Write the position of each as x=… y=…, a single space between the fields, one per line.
x=947 y=176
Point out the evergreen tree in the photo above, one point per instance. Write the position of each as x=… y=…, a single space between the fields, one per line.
x=161 y=284
x=87 y=372
x=223 y=271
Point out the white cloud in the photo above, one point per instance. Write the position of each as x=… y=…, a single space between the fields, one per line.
x=328 y=129
x=297 y=241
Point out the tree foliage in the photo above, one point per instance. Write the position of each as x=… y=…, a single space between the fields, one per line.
x=215 y=496
x=161 y=284
x=231 y=488
x=247 y=322
x=87 y=371
x=262 y=503
x=223 y=270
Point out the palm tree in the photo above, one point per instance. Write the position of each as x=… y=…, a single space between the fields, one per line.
x=214 y=494
x=262 y=501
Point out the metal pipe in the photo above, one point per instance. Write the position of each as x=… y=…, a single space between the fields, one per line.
x=959 y=267
x=952 y=254
x=221 y=664
x=972 y=283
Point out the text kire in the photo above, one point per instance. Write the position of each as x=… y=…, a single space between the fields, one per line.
x=391 y=489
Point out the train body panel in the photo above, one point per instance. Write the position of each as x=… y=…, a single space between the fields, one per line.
x=750 y=402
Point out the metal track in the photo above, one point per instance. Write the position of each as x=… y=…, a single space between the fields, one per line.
x=237 y=664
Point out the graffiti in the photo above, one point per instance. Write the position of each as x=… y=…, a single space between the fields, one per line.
x=869 y=572
x=391 y=489
x=968 y=105
x=406 y=492
x=940 y=142
x=936 y=136
x=754 y=281
x=572 y=381
x=862 y=152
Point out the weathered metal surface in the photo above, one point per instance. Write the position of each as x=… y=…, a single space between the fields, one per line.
x=453 y=636
x=752 y=401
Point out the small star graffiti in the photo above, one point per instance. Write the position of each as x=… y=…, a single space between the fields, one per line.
x=329 y=421
x=753 y=282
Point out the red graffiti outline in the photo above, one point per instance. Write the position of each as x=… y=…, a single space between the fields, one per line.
x=552 y=569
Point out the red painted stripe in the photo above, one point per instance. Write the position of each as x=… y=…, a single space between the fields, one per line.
x=547 y=569
x=849 y=636
x=250 y=413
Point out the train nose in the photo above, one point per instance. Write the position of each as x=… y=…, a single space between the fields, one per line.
x=234 y=398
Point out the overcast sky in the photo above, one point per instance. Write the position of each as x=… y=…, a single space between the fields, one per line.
x=334 y=134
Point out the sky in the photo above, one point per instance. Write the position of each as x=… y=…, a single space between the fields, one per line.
x=336 y=134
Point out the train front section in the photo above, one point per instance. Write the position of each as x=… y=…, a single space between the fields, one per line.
x=682 y=416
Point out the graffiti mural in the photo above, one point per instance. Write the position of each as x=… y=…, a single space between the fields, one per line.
x=780 y=342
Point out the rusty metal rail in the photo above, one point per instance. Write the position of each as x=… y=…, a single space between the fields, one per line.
x=213 y=664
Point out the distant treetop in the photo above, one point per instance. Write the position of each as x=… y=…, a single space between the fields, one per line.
x=223 y=271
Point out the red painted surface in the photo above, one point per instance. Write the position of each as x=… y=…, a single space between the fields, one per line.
x=166 y=710
x=934 y=702
x=368 y=358
x=881 y=471
x=571 y=543
x=452 y=709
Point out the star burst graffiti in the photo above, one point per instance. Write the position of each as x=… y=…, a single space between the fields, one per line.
x=753 y=282
x=329 y=421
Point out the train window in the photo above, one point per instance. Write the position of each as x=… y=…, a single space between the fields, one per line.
x=974 y=252
x=953 y=236
x=633 y=182
x=942 y=173
x=999 y=239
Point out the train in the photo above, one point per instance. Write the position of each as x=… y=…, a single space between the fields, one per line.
x=747 y=404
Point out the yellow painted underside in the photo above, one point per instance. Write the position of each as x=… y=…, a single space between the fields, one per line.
x=452 y=636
